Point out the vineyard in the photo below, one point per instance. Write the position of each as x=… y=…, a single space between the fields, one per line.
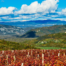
x=34 y=57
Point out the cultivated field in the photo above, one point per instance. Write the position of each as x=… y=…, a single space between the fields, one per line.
x=33 y=57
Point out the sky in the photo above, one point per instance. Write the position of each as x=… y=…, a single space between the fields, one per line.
x=26 y=10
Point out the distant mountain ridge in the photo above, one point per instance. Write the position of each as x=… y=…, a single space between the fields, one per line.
x=17 y=34
x=31 y=32
x=44 y=31
x=12 y=30
x=35 y=23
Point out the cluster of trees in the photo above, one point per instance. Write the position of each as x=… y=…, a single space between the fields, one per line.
x=7 y=45
x=51 y=40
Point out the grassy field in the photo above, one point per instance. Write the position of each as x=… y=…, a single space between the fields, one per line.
x=50 y=48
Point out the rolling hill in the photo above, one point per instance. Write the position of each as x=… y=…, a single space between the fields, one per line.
x=8 y=32
x=56 y=40
x=50 y=40
x=26 y=33
x=33 y=33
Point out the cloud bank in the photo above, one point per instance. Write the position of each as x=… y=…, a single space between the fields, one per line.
x=48 y=9
x=35 y=7
x=4 y=10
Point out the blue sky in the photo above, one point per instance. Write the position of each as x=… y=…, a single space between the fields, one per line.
x=26 y=10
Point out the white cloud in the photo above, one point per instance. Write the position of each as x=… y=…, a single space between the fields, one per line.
x=63 y=11
x=45 y=7
x=6 y=17
x=4 y=10
x=40 y=11
x=53 y=15
x=24 y=17
x=20 y=17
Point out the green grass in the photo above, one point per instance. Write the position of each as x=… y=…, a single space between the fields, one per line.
x=50 y=48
